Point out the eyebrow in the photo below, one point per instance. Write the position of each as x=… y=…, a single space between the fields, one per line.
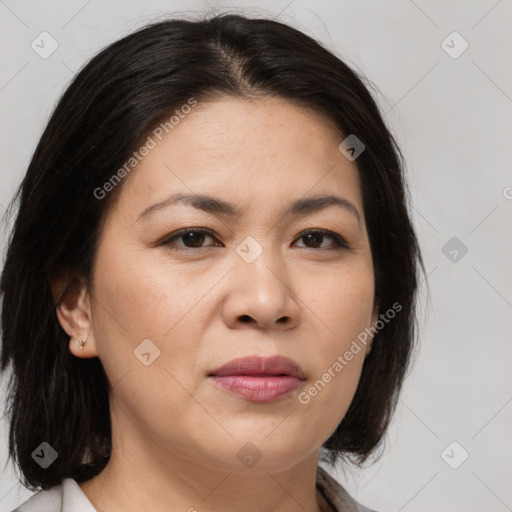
x=218 y=206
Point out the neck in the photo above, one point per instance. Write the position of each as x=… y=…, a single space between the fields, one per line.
x=128 y=484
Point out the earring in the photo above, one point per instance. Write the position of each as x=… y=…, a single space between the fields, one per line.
x=81 y=344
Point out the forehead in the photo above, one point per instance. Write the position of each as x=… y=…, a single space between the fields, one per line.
x=266 y=150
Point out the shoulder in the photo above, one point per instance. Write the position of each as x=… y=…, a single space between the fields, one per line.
x=48 y=500
x=339 y=498
x=65 y=497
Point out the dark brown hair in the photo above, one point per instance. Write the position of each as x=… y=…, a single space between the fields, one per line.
x=115 y=100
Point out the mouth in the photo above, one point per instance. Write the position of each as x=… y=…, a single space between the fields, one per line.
x=259 y=379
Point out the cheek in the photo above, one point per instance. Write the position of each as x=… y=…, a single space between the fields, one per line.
x=135 y=302
x=342 y=304
x=340 y=301
x=141 y=309
x=145 y=299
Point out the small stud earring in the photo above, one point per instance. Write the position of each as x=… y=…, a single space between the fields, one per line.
x=80 y=344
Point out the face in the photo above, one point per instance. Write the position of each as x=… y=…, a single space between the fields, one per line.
x=167 y=308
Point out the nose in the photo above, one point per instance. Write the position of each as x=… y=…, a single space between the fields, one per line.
x=261 y=295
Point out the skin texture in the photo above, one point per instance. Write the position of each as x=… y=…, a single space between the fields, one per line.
x=175 y=435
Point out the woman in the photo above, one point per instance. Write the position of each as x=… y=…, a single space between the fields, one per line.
x=211 y=280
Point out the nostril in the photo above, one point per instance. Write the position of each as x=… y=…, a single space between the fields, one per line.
x=245 y=318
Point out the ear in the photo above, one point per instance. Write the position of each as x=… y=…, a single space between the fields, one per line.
x=375 y=317
x=73 y=310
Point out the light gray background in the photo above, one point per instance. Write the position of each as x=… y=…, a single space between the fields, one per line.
x=451 y=117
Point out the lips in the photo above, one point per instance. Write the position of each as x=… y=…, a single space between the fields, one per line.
x=259 y=379
x=256 y=366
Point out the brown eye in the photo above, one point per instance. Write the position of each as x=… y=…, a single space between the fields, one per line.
x=192 y=238
x=315 y=237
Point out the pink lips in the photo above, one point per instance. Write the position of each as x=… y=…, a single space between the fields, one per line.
x=259 y=379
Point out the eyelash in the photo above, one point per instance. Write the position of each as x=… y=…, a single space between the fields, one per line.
x=339 y=241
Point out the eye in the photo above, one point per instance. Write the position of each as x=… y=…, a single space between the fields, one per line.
x=193 y=236
x=315 y=237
